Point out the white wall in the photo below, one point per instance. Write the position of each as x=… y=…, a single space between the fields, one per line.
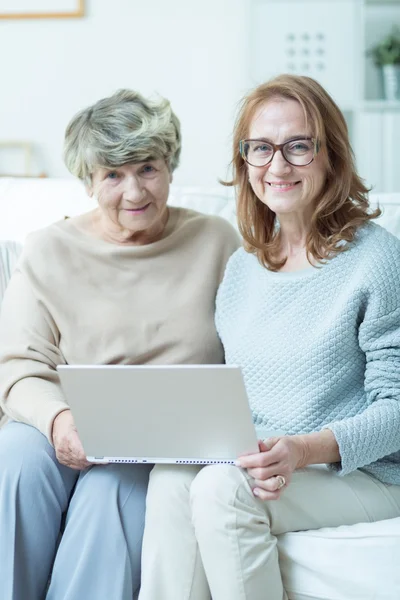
x=193 y=52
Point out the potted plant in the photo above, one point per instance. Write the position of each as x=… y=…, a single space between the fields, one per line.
x=386 y=55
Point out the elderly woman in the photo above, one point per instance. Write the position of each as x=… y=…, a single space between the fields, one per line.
x=91 y=290
x=310 y=309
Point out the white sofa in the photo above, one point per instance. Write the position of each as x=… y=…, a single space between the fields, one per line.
x=361 y=562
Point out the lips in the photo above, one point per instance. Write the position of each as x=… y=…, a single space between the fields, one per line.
x=281 y=185
x=137 y=210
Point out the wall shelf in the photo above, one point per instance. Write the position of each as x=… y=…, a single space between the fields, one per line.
x=328 y=40
x=382 y=105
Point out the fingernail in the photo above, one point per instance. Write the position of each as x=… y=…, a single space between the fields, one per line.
x=256 y=492
x=237 y=463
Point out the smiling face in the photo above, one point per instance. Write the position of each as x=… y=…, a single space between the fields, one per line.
x=132 y=201
x=285 y=189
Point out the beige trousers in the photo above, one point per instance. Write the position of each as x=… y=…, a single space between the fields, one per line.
x=207 y=535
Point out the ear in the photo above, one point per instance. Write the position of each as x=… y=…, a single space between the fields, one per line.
x=88 y=183
x=89 y=190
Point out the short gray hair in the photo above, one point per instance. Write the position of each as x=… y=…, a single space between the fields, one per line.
x=123 y=128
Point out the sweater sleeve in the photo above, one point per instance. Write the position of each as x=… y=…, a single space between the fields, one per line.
x=30 y=390
x=375 y=433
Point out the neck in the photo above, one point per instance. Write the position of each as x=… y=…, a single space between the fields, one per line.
x=294 y=232
x=113 y=233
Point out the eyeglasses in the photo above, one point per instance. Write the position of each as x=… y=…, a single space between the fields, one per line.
x=298 y=152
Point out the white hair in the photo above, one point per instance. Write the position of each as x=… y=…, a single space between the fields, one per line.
x=123 y=128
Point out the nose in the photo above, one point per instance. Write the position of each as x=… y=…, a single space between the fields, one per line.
x=133 y=189
x=278 y=165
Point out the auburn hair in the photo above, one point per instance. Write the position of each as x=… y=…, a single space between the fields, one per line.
x=340 y=208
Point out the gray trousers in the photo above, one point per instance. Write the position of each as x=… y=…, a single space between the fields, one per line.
x=98 y=557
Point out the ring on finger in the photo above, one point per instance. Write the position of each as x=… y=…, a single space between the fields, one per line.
x=281 y=481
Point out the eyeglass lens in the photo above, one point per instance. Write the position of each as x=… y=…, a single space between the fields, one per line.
x=296 y=152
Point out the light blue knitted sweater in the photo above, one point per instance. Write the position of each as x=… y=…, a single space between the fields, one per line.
x=320 y=348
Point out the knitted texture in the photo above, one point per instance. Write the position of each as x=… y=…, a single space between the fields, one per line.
x=320 y=348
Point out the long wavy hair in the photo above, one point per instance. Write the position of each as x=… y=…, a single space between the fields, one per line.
x=339 y=209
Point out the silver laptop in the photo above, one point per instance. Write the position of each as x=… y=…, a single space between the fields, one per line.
x=191 y=414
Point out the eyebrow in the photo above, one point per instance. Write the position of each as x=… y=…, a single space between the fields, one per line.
x=116 y=167
x=291 y=139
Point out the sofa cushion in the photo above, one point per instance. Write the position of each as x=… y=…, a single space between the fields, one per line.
x=360 y=562
x=30 y=204
x=27 y=204
x=9 y=254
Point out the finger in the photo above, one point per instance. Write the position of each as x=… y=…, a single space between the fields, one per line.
x=72 y=455
x=273 y=484
x=276 y=453
x=84 y=464
x=62 y=456
x=65 y=460
x=65 y=457
x=267 y=444
x=252 y=461
x=75 y=453
x=263 y=473
x=74 y=464
x=76 y=449
x=79 y=458
x=264 y=495
x=75 y=444
x=79 y=461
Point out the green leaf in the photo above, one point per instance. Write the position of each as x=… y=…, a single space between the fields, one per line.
x=387 y=51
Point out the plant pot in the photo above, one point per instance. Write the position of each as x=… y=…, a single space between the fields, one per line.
x=391 y=82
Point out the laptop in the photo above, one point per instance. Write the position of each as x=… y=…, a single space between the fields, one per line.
x=182 y=414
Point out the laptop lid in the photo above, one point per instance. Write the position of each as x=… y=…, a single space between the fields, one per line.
x=190 y=414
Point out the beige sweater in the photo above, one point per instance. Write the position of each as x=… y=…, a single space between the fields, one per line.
x=74 y=299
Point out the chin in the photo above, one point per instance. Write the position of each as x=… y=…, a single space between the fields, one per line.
x=130 y=220
x=280 y=205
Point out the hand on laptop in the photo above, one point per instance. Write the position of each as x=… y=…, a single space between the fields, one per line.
x=68 y=446
x=273 y=466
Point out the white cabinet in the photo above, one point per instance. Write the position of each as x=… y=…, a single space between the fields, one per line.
x=377 y=147
x=327 y=40
x=309 y=38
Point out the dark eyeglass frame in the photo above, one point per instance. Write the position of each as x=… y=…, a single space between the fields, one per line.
x=277 y=147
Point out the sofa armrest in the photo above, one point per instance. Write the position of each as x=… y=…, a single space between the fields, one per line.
x=9 y=254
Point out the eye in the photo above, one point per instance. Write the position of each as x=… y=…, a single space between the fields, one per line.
x=300 y=146
x=112 y=175
x=148 y=169
x=264 y=148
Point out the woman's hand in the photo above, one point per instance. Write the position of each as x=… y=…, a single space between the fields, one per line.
x=68 y=446
x=278 y=457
